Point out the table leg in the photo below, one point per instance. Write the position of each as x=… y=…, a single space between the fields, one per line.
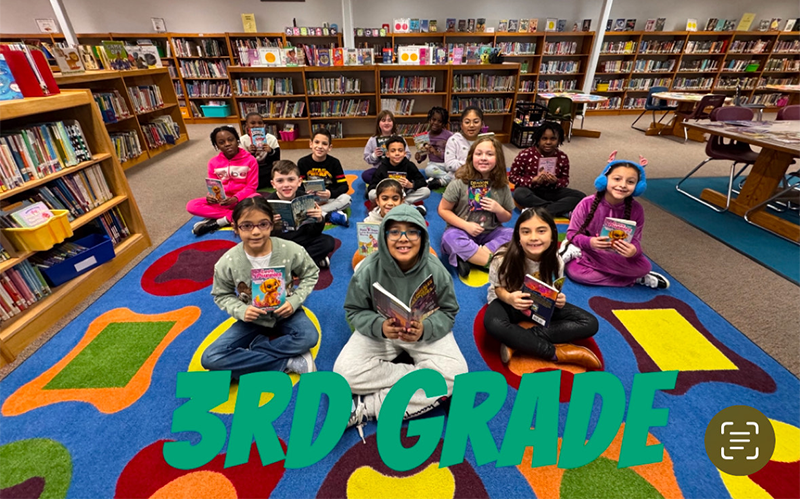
x=675 y=127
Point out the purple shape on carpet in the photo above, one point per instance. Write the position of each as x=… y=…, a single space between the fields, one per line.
x=192 y=265
x=31 y=488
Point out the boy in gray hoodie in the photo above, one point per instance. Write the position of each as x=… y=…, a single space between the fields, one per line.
x=403 y=261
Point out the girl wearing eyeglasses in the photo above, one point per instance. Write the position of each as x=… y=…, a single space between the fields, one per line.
x=246 y=346
x=403 y=262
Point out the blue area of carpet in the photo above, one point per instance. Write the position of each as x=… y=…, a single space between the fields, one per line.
x=769 y=250
x=102 y=444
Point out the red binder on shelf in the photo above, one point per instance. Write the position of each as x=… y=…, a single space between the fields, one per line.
x=24 y=75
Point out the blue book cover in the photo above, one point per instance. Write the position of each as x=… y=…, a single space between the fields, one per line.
x=9 y=90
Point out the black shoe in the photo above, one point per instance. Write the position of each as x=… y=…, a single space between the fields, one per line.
x=206 y=227
x=422 y=210
x=463 y=267
x=434 y=184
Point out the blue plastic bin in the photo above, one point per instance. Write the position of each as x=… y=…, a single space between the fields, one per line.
x=101 y=250
x=216 y=111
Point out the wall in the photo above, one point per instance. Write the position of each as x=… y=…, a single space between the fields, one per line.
x=199 y=16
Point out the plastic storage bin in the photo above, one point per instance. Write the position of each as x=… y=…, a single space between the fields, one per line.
x=42 y=237
x=101 y=250
x=289 y=136
x=216 y=111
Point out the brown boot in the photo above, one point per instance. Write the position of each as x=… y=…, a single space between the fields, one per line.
x=567 y=353
x=505 y=353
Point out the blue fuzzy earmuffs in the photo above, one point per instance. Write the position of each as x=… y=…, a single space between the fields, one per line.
x=601 y=182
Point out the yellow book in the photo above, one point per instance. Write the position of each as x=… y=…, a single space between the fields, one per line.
x=746 y=22
x=249 y=23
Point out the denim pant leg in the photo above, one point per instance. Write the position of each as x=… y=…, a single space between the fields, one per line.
x=297 y=335
x=231 y=351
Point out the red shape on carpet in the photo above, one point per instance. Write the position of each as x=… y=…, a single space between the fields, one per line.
x=186 y=269
x=780 y=480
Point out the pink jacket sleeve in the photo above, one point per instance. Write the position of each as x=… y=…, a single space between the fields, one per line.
x=637 y=215
x=575 y=222
x=251 y=183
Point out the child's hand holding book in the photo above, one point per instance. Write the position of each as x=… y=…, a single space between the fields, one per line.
x=600 y=243
x=519 y=300
x=252 y=313
x=624 y=248
x=413 y=333
x=390 y=329
x=229 y=201
x=316 y=212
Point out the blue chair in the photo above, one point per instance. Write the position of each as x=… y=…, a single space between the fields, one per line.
x=654 y=104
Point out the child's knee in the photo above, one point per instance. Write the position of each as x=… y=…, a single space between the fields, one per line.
x=211 y=360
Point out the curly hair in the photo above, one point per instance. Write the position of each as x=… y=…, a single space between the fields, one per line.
x=442 y=112
x=554 y=127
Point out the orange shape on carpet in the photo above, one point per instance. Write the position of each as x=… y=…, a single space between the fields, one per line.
x=546 y=480
x=350 y=180
x=198 y=484
x=107 y=400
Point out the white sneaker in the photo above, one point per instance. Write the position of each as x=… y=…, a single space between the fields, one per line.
x=653 y=280
x=301 y=364
x=358 y=416
x=569 y=253
x=505 y=353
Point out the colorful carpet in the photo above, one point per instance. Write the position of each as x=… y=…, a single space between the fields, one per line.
x=769 y=250
x=88 y=414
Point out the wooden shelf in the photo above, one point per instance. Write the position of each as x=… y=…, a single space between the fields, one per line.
x=214 y=97
x=412 y=93
x=204 y=78
x=165 y=107
x=292 y=96
x=480 y=92
x=96 y=158
x=371 y=117
x=339 y=96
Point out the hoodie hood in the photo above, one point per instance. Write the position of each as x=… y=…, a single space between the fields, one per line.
x=409 y=214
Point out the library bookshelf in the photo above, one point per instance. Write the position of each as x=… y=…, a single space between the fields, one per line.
x=108 y=81
x=21 y=330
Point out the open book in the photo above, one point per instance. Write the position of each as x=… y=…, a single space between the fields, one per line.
x=216 y=189
x=543 y=297
x=268 y=286
x=294 y=213
x=423 y=303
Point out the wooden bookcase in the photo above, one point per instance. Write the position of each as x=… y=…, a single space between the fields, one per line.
x=22 y=329
x=528 y=56
x=498 y=122
x=195 y=114
x=104 y=81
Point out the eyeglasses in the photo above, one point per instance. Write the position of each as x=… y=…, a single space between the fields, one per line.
x=411 y=235
x=247 y=226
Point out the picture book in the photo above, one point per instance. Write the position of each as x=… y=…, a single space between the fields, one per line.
x=351 y=57
x=423 y=26
x=382 y=143
x=367 y=56
x=421 y=139
x=314 y=185
x=513 y=25
x=720 y=25
x=368 y=235
x=774 y=25
x=478 y=189
x=523 y=25
x=730 y=25
x=472 y=55
x=294 y=213
x=440 y=55
x=423 y=303
x=413 y=26
x=712 y=22
x=609 y=24
x=480 y=25
x=746 y=21
x=32 y=215
x=146 y=56
x=789 y=25
x=324 y=56
x=502 y=26
x=249 y=23
x=458 y=55
x=269 y=56
x=68 y=60
x=471 y=25
x=289 y=56
x=433 y=26
x=691 y=24
x=89 y=60
x=548 y=165
x=544 y=298
x=533 y=26
x=630 y=24
x=587 y=25
x=9 y=89
x=660 y=22
x=618 y=229
x=650 y=25
x=451 y=25
x=388 y=55
x=462 y=25
x=215 y=189
x=268 y=287
x=764 y=25
x=116 y=54
x=562 y=25
x=619 y=25
x=397 y=175
x=258 y=137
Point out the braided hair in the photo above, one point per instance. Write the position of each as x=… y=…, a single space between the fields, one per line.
x=442 y=112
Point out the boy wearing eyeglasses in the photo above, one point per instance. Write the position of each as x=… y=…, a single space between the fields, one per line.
x=403 y=261
x=288 y=185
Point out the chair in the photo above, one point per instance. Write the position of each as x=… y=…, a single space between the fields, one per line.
x=654 y=104
x=701 y=111
x=560 y=109
x=717 y=149
x=787 y=113
x=788 y=195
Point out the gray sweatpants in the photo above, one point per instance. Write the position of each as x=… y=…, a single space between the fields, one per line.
x=366 y=364
x=335 y=204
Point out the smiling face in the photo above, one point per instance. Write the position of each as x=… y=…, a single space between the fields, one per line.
x=436 y=123
x=388 y=199
x=256 y=241
x=535 y=237
x=471 y=125
x=622 y=181
x=484 y=158
x=227 y=144
x=386 y=124
x=254 y=121
x=286 y=184
x=548 y=144
x=320 y=147
x=395 y=153
x=403 y=250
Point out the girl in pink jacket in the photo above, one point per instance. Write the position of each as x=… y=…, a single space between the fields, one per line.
x=238 y=171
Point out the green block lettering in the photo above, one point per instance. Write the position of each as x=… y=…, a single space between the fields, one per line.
x=641 y=416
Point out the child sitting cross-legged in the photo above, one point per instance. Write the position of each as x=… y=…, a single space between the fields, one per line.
x=396 y=165
x=267 y=154
x=287 y=184
x=322 y=166
x=400 y=265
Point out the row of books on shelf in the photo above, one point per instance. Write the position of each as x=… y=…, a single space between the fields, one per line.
x=337 y=56
x=256 y=42
x=333 y=85
x=615 y=66
x=693 y=83
x=251 y=87
x=407 y=84
x=335 y=129
x=742 y=65
x=36 y=151
x=161 y=131
x=274 y=109
x=20 y=288
x=201 y=88
x=653 y=66
x=560 y=48
x=620 y=47
x=347 y=107
x=608 y=85
x=782 y=65
x=204 y=69
x=550 y=85
x=646 y=83
x=661 y=46
x=728 y=83
x=178 y=89
x=113 y=224
x=173 y=71
x=146 y=98
x=560 y=67
x=198 y=47
x=763 y=82
x=787 y=46
x=399 y=107
x=701 y=65
x=411 y=129
x=749 y=46
x=483 y=82
x=126 y=145
x=516 y=48
x=489 y=105
x=112 y=106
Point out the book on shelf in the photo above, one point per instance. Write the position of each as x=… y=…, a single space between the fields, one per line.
x=720 y=25
x=502 y=26
x=691 y=24
x=619 y=25
x=249 y=23
x=789 y=25
x=764 y=25
x=533 y=26
x=660 y=22
x=587 y=25
x=117 y=56
x=618 y=229
x=544 y=298
x=422 y=304
x=69 y=60
x=368 y=237
x=324 y=57
x=650 y=25
x=730 y=25
x=269 y=56
x=424 y=26
x=215 y=189
x=712 y=22
x=20 y=287
x=145 y=56
x=433 y=26
x=746 y=21
x=451 y=25
x=630 y=24
x=513 y=25
x=523 y=25
x=609 y=24
x=562 y=25
x=268 y=287
x=294 y=213
x=774 y=24
x=31 y=215
x=480 y=25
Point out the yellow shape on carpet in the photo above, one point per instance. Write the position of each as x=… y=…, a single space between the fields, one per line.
x=476 y=278
x=672 y=342
x=432 y=482
x=227 y=407
x=787 y=442
x=198 y=484
x=741 y=487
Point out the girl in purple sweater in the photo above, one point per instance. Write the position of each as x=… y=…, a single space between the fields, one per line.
x=598 y=260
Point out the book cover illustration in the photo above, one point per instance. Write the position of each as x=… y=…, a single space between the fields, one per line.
x=480 y=25
x=314 y=185
x=433 y=26
x=68 y=60
x=650 y=25
x=712 y=22
x=774 y=24
x=619 y=25
x=533 y=26
x=789 y=25
x=451 y=25
x=618 y=229
x=730 y=25
x=478 y=189
x=289 y=56
x=609 y=24
x=422 y=304
x=502 y=26
x=562 y=25
x=258 y=137
x=269 y=56
x=324 y=56
x=215 y=189
x=423 y=26
x=9 y=89
x=397 y=175
x=550 y=24
x=630 y=24
x=587 y=25
x=691 y=24
x=268 y=287
x=351 y=57
x=462 y=25
x=720 y=25
x=471 y=25
x=367 y=56
x=381 y=141
x=513 y=25
x=294 y=213
x=660 y=22
x=117 y=56
x=368 y=234
x=413 y=25
x=458 y=55
x=548 y=165
x=32 y=215
x=544 y=300
x=421 y=140
x=746 y=21
x=764 y=25
x=523 y=25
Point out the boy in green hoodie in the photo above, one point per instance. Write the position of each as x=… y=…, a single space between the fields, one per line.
x=403 y=261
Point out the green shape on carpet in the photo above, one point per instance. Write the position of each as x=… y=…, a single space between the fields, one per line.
x=602 y=479
x=36 y=457
x=113 y=357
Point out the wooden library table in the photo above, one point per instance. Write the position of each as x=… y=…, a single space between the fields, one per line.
x=686 y=102
x=780 y=144
x=577 y=98
x=792 y=90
